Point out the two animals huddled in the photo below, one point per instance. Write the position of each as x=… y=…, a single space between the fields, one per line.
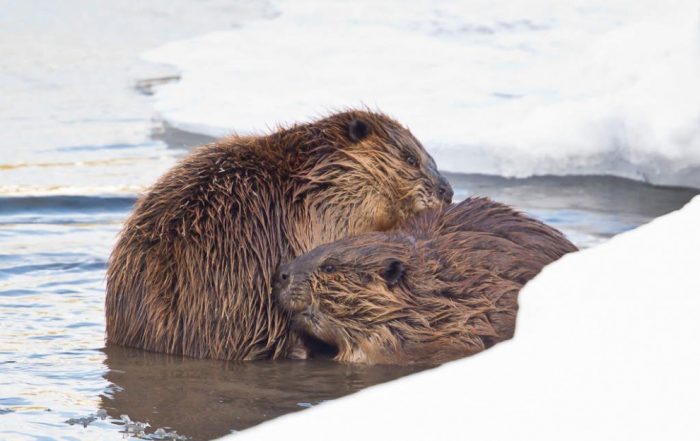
x=386 y=271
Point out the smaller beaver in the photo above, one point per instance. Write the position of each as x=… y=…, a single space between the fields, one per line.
x=441 y=286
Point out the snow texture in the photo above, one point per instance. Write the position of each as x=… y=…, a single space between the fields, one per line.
x=495 y=87
x=606 y=348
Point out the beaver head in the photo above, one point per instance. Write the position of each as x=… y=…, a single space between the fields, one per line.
x=442 y=285
x=388 y=298
x=368 y=166
x=341 y=293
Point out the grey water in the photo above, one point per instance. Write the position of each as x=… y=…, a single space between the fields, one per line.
x=80 y=141
x=54 y=365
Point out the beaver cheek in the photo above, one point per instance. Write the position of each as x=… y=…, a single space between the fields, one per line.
x=435 y=199
x=433 y=202
x=385 y=217
x=421 y=203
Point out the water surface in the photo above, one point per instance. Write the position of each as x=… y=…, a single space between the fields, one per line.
x=54 y=367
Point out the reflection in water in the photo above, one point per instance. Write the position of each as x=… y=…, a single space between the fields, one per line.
x=206 y=399
x=589 y=209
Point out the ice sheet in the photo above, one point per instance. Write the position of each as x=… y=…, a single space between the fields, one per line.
x=496 y=87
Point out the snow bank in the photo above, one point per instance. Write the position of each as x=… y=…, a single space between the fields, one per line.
x=497 y=87
x=606 y=348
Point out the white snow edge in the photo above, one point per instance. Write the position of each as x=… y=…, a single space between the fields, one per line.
x=606 y=348
x=494 y=87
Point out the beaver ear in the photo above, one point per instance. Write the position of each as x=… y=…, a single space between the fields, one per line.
x=393 y=271
x=358 y=130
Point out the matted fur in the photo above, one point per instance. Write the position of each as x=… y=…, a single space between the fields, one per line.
x=191 y=272
x=442 y=285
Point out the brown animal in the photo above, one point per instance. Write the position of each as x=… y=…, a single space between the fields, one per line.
x=441 y=286
x=192 y=270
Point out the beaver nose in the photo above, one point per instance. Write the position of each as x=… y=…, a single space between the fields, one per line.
x=444 y=191
x=282 y=278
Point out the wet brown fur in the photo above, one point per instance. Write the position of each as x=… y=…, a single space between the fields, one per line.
x=191 y=272
x=443 y=285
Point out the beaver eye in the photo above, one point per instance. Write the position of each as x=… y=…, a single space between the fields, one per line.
x=412 y=161
x=328 y=268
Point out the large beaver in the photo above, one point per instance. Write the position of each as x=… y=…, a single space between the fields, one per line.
x=192 y=270
x=441 y=286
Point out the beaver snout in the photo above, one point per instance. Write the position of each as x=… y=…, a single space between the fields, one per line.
x=290 y=297
x=444 y=190
x=280 y=284
x=283 y=278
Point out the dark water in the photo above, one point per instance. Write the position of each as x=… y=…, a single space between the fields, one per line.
x=590 y=209
x=54 y=367
x=206 y=399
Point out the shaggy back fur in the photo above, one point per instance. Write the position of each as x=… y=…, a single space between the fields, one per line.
x=191 y=272
x=441 y=286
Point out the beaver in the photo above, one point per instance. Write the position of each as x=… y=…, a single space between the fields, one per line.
x=440 y=286
x=192 y=269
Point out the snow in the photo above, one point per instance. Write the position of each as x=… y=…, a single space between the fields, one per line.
x=606 y=348
x=495 y=87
